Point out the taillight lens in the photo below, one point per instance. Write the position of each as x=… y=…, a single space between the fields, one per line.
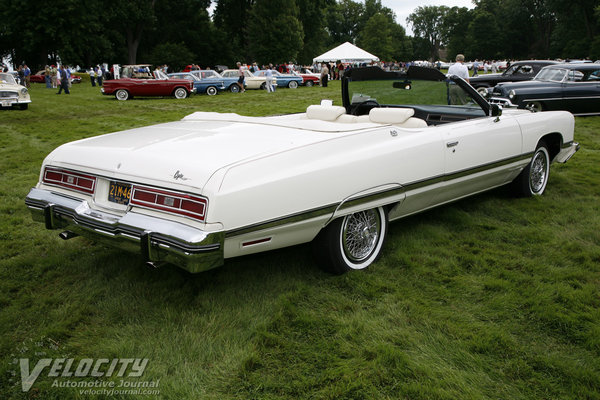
x=71 y=180
x=176 y=203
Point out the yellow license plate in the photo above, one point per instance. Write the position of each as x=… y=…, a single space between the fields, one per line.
x=119 y=192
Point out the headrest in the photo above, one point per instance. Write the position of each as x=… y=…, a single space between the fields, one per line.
x=325 y=113
x=390 y=115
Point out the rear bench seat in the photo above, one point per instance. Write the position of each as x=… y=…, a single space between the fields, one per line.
x=402 y=117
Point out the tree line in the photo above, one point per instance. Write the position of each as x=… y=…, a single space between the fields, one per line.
x=182 y=32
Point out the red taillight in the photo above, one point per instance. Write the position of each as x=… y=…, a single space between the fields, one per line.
x=70 y=180
x=176 y=203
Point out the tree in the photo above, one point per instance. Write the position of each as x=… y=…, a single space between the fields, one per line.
x=274 y=31
x=428 y=23
x=483 y=36
x=343 y=21
x=376 y=37
x=131 y=18
x=312 y=17
x=230 y=20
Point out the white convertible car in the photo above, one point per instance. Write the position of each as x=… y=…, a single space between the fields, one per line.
x=213 y=186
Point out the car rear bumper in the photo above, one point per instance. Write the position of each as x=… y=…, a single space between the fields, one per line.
x=157 y=240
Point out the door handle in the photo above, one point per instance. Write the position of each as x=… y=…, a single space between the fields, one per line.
x=451 y=144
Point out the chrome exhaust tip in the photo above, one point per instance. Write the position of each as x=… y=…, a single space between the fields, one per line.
x=66 y=235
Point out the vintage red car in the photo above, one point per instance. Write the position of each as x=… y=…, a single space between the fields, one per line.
x=40 y=77
x=308 y=79
x=139 y=81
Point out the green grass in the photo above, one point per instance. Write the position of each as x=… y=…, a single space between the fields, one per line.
x=488 y=298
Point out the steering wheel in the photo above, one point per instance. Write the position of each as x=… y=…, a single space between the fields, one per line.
x=366 y=104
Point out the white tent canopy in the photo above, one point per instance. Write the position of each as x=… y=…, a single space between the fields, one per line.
x=346 y=53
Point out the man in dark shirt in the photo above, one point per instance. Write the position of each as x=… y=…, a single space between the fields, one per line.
x=64 y=80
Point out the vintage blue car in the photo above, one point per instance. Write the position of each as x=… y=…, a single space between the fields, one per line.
x=573 y=87
x=283 y=80
x=210 y=87
x=209 y=75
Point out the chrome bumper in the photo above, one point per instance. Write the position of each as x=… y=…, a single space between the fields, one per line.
x=501 y=101
x=566 y=152
x=158 y=240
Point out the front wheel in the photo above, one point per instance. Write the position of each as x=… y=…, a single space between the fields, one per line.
x=293 y=84
x=533 y=179
x=234 y=88
x=180 y=93
x=534 y=106
x=122 y=94
x=482 y=90
x=211 y=90
x=351 y=242
x=263 y=86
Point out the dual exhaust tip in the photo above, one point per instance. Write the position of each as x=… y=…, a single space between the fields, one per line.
x=66 y=235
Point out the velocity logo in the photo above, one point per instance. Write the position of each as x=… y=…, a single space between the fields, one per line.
x=86 y=367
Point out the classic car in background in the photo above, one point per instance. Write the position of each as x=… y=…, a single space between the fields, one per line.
x=209 y=75
x=12 y=94
x=40 y=77
x=283 y=80
x=145 y=83
x=211 y=87
x=308 y=79
x=334 y=175
x=517 y=72
x=250 y=80
x=573 y=87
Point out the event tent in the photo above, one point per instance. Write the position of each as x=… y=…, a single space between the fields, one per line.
x=346 y=53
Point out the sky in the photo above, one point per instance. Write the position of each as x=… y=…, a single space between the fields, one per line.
x=403 y=8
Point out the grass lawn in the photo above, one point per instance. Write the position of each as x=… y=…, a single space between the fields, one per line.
x=488 y=298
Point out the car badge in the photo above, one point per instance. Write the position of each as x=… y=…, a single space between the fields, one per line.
x=179 y=175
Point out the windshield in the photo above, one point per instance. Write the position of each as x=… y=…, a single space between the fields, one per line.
x=7 y=78
x=158 y=74
x=551 y=74
x=397 y=92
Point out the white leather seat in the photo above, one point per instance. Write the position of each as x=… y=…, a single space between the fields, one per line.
x=324 y=113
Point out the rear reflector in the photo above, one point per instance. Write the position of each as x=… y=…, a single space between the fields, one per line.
x=70 y=180
x=172 y=202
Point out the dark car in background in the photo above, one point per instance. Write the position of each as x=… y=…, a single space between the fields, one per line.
x=517 y=72
x=571 y=87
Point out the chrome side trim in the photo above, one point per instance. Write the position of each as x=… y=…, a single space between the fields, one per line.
x=382 y=195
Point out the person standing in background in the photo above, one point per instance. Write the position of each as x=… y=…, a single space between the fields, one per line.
x=64 y=80
x=324 y=75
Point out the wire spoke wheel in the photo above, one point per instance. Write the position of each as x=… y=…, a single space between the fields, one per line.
x=360 y=234
x=538 y=174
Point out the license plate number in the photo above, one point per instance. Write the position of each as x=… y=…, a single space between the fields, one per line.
x=119 y=192
x=5 y=103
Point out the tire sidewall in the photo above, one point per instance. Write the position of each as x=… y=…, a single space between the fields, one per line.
x=211 y=90
x=122 y=98
x=177 y=92
x=542 y=149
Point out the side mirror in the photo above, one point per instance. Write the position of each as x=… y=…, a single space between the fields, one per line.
x=495 y=110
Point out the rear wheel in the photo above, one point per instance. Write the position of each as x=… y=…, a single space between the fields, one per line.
x=533 y=179
x=211 y=91
x=309 y=83
x=351 y=242
x=122 y=94
x=180 y=93
x=293 y=84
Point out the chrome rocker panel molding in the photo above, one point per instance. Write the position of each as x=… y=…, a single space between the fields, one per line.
x=158 y=240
